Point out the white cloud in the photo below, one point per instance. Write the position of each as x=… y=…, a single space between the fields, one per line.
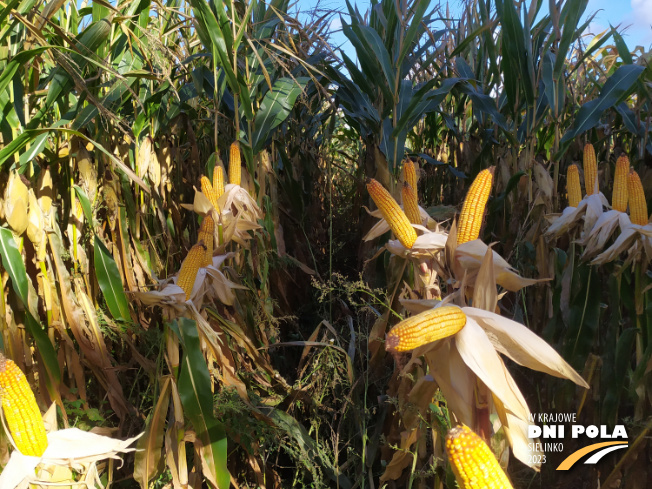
x=642 y=12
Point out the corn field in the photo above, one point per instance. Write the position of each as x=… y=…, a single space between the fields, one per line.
x=232 y=255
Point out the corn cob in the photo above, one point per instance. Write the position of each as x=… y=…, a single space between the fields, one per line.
x=218 y=181
x=590 y=170
x=473 y=463
x=206 y=237
x=474 y=206
x=208 y=190
x=410 y=204
x=573 y=186
x=410 y=175
x=189 y=268
x=20 y=410
x=637 y=203
x=234 y=164
x=392 y=213
x=426 y=327
x=619 y=196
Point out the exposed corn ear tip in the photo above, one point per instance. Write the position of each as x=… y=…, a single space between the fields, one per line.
x=235 y=169
x=474 y=206
x=190 y=267
x=473 y=463
x=573 y=186
x=590 y=166
x=205 y=236
x=637 y=203
x=208 y=190
x=21 y=412
x=410 y=203
x=392 y=213
x=620 y=193
x=426 y=327
x=16 y=203
x=410 y=174
x=218 y=180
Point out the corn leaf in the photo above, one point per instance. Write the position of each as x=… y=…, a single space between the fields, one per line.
x=196 y=397
x=108 y=277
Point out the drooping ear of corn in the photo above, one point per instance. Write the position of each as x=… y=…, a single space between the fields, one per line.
x=208 y=190
x=190 y=267
x=218 y=181
x=206 y=236
x=474 y=206
x=410 y=204
x=590 y=170
x=573 y=186
x=637 y=203
x=235 y=172
x=472 y=461
x=619 y=196
x=20 y=410
x=16 y=203
x=426 y=327
x=410 y=175
x=392 y=213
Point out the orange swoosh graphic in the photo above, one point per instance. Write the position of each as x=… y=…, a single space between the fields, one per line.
x=575 y=456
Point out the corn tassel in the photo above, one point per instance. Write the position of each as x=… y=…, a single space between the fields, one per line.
x=472 y=461
x=392 y=213
x=637 y=203
x=20 y=410
x=573 y=186
x=590 y=170
x=426 y=327
x=410 y=175
x=218 y=181
x=235 y=171
x=620 y=193
x=189 y=268
x=410 y=204
x=474 y=206
x=206 y=237
x=208 y=190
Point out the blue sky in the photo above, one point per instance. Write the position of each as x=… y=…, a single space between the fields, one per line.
x=633 y=16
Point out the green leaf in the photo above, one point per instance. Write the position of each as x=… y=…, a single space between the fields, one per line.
x=12 y=262
x=274 y=109
x=108 y=276
x=86 y=205
x=197 y=400
x=615 y=88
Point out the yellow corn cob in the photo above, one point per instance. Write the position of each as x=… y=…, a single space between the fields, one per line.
x=637 y=204
x=234 y=164
x=189 y=268
x=21 y=411
x=410 y=175
x=472 y=461
x=208 y=190
x=410 y=204
x=206 y=237
x=474 y=206
x=573 y=186
x=392 y=213
x=218 y=181
x=590 y=170
x=619 y=196
x=426 y=327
